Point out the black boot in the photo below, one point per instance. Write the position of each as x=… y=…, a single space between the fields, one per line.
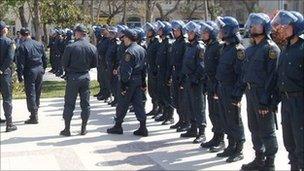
x=219 y=144
x=294 y=167
x=178 y=124
x=113 y=103
x=237 y=154
x=84 y=127
x=229 y=150
x=211 y=142
x=142 y=130
x=269 y=164
x=192 y=132
x=2 y=120
x=169 y=119
x=116 y=129
x=257 y=163
x=159 y=113
x=153 y=111
x=66 y=132
x=200 y=136
x=33 y=118
x=10 y=126
x=183 y=127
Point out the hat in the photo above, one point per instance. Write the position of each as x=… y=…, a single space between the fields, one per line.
x=130 y=33
x=80 y=28
x=24 y=31
x=2 y=25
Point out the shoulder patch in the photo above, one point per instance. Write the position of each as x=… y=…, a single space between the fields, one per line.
x=240 y=52
x=127 y=57
x=272 y=54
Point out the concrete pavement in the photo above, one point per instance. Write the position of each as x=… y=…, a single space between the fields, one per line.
x=39 y=147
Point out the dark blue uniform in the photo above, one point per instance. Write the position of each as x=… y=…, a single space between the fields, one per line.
x=78 y=58
x=59 y=46
x=102 y=47
x=192 y=78
x=152 y=46
x=52 y=54
x=259 y=65
x=290 y=83
x=177 y=54
x=230 y=89
x=7 y=51
x=163 y=76
x=121 y=49
x=31 y=63
x=211 y=58
x=130 y=70
x=110 y=61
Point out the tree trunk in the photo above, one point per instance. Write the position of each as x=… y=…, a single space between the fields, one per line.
x=22 y=18
x=124 y=19
x=98 y=11
x=46 y=37
x=92 y=11
x=36 y=20
x=148 y=10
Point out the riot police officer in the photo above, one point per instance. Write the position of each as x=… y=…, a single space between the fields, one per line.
x=110 y=60
x=102 y=47
x=260 y=62
x=192 y=78
x=231 y=87
x=58 y=52
x=209 y=31
x=289 y=80
x=52 y=54
x=31 y=65
x=177 y=54
x=152 y=45
x=163 y=76
x=78 y=58
x=68 y=39
x=130 y=70
x=7 y=50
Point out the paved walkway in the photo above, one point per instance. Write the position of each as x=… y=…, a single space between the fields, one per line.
x=38 y=147
x=51 y=77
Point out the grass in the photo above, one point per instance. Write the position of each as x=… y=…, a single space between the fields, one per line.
x=50 y=89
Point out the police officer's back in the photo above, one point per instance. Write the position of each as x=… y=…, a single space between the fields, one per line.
x=78 y=58
x=31 y=63
x=6 y=59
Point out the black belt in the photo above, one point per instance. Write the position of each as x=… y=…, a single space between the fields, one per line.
x=292 y=94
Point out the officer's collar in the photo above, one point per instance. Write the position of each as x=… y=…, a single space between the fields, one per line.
x=180 y=38
x=261 y=42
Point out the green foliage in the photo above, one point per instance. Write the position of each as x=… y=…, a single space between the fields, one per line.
x=62 y=13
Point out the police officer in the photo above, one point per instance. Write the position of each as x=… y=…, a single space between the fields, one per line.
x=78 y=58
x=163 y=76
x=110 y=60
x=102 y=47
x=121 y=48
x=141 y=37
x=209 y=32
x=259 y=64
x=52 y=54
x=31 y=65
x=289 y=81
x=58 y=52
x=7 y=50
x=192 y=77
x=152 y=45
x=68 y=39
x=231 y=87
x=131 y=68
x=177 y=54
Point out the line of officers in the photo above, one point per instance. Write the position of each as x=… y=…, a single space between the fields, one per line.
x=189 y=63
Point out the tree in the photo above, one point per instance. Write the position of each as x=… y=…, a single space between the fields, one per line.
x=165 y=16
x=191 y=6
x=214 y=9
x=114 y=7
x=18 y=7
